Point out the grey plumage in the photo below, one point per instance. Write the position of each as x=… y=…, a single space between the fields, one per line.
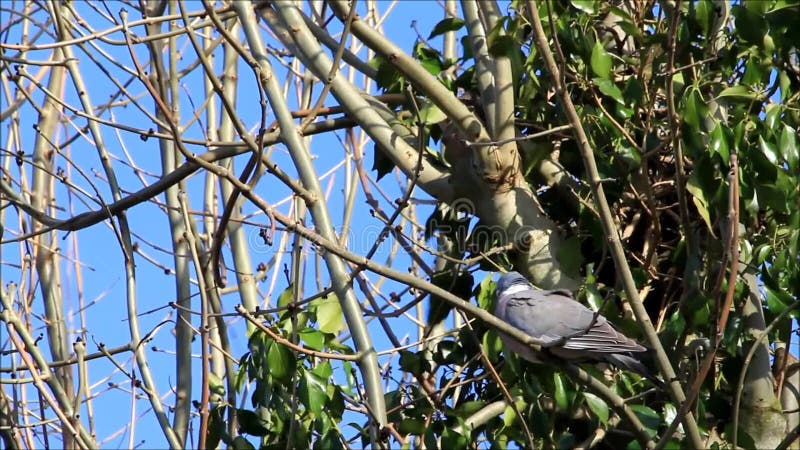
x=565 y=328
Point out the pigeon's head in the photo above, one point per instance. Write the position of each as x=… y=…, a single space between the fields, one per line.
x=511 y=279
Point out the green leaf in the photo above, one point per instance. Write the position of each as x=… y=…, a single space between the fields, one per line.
x=323 y=370
x=788 y=145
x=786 y=85
x=215 y=384
x=280 y=361
x=763 y=253
x=768 y=149
x=702 y=13
x=650 y=419
x=492 y=345
x=468 y=408
x=566 y=441
x=250 y=423
x=428 y=58
x=778 y=300
x=445 y=25
x=431 y=114
x=608 y=88
x=719 y=143
x=411 y=362
x=598 y=406
x=387 y=76
x=453 y=439
x=329 y=314
x=562 y=400
x=485 y=293
x=413 y=426
x=600 y=61
x=773 y=117
x=699 y=199
x=738 y=92
x=587 y=6
x=696 y=110
x=750 y=25
x=628 y=154
x=312 y=392
x=286 y=297
x=312 y=338
x=381 y=163
x=753 y=73
x=329 y=441
x=335 y=406
x=240 y=443
x=216 y=427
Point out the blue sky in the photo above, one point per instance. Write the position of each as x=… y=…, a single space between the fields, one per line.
x=100 y=268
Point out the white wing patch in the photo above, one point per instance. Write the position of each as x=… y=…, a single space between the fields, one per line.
x=516 y=288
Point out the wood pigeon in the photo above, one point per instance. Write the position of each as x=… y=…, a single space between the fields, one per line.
x=564 y=328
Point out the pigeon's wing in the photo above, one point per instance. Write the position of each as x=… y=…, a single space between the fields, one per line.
x=555 y=318
x=531 y=311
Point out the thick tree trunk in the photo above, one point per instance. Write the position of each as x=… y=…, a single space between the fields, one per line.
x=760 y=414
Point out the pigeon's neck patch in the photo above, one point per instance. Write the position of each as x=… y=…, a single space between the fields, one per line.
x=515 y=288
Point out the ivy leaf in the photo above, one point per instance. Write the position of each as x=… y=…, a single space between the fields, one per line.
x=413 y=426
x=286 y=321
x=509 y=416
x=329 y=314
x=587 y=6
x=598 y=406
x=240 y=443
x=453 y=439
x=696 y=109
x=445 y=25
x=788 y=145
x=719 y=143
x=329 y=441
x=250 y=423
x=560 y=392
x=312 y=392
x=381 y=163
x=608 y=88
x=387 y=76
x=431 y=114
x=286 y=297
x=428 y=58
x=600 y=61
x=778 y=300
x=216 y=427
x=459 y=284
x=650 y=419
x=768 y=149
x=215 y=384
x=411 y=362
x=280 y=362
x=738 y=92
x=773 y=116
x=700 y=198
x=312 y=338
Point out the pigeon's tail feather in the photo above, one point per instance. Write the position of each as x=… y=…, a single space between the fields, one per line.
x=634 y=365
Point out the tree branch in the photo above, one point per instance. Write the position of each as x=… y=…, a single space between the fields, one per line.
x=606 y=219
